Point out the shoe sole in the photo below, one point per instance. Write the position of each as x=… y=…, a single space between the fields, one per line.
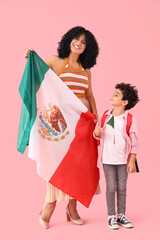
x=114 y=228
x=126 y=226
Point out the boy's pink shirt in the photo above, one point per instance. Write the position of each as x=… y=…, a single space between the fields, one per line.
x=132 y=139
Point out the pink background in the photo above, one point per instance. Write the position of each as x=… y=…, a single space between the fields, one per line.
x=128 y=33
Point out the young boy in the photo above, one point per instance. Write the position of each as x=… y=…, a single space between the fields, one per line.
x=118 y=150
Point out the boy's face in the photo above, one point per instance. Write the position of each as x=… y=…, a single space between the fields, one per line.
x=116 y=99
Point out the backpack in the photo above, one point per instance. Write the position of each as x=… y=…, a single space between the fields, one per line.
x=129 y=122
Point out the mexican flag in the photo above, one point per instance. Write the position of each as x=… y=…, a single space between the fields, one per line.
x=59 y=131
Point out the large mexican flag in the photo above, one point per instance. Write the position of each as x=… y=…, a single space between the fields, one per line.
x=59 y=131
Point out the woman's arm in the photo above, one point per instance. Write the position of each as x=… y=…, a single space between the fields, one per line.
x=89 y=95
x=52 y=61
x=55 y=63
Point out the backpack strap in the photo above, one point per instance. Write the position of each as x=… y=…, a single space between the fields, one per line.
x=129 y=122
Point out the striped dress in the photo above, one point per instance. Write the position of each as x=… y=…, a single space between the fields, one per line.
x=75 y=79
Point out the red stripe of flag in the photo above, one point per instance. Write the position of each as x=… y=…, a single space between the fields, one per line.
x=78 y=175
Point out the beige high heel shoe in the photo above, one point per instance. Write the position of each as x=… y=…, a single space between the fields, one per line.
x=69 y=218
x=50 y=210
x=43 y=223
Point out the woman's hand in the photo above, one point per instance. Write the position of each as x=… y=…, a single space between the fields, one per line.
x=27 y=52
x=97 y=116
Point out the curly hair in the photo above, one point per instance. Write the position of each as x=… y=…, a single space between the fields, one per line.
x=130 y=93
x=88 y=57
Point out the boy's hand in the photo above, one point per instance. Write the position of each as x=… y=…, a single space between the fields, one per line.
x=131 y=167
x=98 y=131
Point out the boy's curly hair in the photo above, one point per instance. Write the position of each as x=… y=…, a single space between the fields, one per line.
x=88 y=57
x=130 y=93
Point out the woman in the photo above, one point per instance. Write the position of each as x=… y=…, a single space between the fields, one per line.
x=77 y=53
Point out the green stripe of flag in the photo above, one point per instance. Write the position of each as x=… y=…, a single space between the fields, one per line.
x=111 y=122
x=31 y=81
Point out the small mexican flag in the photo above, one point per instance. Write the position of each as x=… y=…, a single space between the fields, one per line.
x=59 y=131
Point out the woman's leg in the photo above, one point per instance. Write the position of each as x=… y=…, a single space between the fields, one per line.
x=72 y=207
x=47 y=211
x=50 y=204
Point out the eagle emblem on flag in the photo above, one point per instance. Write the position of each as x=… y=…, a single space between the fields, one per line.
x=52 y=123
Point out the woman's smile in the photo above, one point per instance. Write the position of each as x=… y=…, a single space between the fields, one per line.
x=76 y=46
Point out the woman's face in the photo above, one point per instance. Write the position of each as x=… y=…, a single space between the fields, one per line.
x=78 y=44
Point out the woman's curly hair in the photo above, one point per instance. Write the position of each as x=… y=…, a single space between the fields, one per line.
x=88 y=57
x=130 y=93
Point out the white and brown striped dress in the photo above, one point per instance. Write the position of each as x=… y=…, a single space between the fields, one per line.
x=77 y=81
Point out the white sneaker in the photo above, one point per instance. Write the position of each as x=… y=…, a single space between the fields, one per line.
x=112 y=222
x=125 y=222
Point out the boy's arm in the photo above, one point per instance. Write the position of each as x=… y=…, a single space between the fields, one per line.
x=98 y=124
x=133 y=135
